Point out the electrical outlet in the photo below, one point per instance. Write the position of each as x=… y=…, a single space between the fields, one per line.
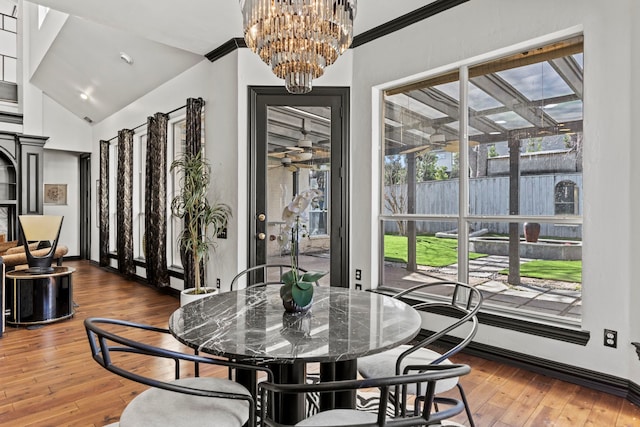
x=218 y=283
x=358 y=286
x=358 y=274
x=610 y=338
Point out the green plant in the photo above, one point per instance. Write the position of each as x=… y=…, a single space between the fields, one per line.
x=202 y=220
x=298 y=289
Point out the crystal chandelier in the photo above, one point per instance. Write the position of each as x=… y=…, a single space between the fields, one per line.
x=298 y=38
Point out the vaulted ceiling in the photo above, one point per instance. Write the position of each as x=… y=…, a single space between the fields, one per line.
x=163 y=37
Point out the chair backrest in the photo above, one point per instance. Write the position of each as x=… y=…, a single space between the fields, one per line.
x=106 y=340
x=433 y=411
x=459 y=300
x=40 y=228
x=261 y=275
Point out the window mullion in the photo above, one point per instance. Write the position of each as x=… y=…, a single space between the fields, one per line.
x=463 y=201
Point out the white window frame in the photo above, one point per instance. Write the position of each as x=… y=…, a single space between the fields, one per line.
x=464 y=218
x=174 y=225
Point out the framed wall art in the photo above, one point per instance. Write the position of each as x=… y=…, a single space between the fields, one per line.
x=55 y=194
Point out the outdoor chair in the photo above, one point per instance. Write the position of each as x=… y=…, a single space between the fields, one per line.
x=263 y=274
x=425 y=416
x=458 y=301
x=194 y=401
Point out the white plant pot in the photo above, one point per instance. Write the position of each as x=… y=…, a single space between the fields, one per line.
x=187 y=295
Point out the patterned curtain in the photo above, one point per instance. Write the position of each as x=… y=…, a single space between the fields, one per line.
x=103 y=207
x=194 y=125
x=193 y=146
x=125 y=202
x=155 y=204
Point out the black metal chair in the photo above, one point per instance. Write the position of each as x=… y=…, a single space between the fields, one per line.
x=193 y=401
x=263 y=274
x=458 y=301
x=426 y=416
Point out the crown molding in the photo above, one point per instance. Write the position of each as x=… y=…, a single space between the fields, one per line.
x=392 y=26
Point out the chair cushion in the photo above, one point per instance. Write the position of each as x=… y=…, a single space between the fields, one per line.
x=158 y=407
x=339 y=417
x=384 y=365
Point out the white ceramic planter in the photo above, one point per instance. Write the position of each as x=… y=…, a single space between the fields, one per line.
x=187 y=295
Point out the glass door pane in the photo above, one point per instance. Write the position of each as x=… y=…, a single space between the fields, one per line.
x=298 y=185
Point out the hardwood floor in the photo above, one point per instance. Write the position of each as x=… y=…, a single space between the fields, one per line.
x=48 y=378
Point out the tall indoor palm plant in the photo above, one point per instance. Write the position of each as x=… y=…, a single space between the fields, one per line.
x=202 y=221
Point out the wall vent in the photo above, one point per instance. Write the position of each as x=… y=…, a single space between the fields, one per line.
x=88 y=119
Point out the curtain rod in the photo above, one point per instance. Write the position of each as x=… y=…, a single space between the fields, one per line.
x=144 y=124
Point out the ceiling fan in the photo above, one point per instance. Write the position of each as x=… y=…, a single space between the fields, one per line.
x=304 y=150
x=436 y=141
x=289 y=163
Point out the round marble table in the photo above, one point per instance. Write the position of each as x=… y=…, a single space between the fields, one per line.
x=341 y=326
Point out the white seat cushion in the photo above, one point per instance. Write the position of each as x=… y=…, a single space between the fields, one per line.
x=158 y=407
x=384 y=365
x=339 y=417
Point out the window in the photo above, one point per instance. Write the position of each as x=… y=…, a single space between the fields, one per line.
x=113 y=197
x=42 y=14
x=566 y=195
x=139 y=179
x=455 y=209
x=8 y=46
x=318 y=218
x=177 y=142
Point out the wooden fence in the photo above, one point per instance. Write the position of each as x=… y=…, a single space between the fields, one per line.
x=490 y=196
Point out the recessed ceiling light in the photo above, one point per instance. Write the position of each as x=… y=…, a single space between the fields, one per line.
x=84 y=96
x=549 y=106
x=126 y=58
x=495 y=133
x=500 y=122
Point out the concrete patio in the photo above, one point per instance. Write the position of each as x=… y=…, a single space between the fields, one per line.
x=554 y=298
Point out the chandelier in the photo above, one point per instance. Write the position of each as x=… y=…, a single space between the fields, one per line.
x=298 y=38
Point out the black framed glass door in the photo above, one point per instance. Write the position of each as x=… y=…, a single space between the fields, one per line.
x=299 y=148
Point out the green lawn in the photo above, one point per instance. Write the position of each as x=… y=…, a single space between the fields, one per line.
x=566 y=271
x=431 y=251
x=437 y=252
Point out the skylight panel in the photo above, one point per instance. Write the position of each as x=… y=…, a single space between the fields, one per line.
x=509 y=120
x=566 y=111
x=411 y=104
x=479 y=100
x=455 y=126
x=536 y=81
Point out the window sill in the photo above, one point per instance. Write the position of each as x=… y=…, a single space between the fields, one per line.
x=556 y=329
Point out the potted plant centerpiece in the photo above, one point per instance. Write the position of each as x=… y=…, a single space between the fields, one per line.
x=297 y=290
x=202 y=220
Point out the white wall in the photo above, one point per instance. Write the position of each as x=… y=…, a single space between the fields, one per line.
x=64 y=168
x=634 y=227
x=482 y=29
x=65 y=130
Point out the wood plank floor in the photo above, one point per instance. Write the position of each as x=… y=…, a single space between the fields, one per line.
x=48 y=378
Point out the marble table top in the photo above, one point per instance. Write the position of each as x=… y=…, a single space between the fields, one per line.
x=251 y=323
